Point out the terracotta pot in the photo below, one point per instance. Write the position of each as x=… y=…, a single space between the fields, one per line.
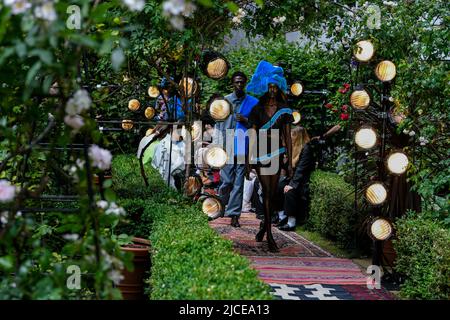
x=132 y=285
x=96 y=179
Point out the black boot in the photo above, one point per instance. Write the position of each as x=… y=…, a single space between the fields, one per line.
x=235 y=221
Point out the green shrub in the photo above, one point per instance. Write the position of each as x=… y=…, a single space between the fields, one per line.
x=331 y=210
x=189 y=259
x=423 y=256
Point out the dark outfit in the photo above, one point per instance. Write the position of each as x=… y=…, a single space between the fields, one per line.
x=260 y=119
x=296 y=200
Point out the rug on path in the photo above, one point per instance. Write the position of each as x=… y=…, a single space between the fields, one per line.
x=308 y=270
x=301 y=270
x=289 y=243
x=328 y=292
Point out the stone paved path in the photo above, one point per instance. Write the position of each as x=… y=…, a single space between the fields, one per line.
x=301 y=270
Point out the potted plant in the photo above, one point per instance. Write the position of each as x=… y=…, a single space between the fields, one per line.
x=132 y=284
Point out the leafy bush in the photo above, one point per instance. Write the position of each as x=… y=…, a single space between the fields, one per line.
x=331 y=209
x=423 y=256
x=189 y=259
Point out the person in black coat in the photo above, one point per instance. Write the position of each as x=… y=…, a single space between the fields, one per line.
x=296 y=190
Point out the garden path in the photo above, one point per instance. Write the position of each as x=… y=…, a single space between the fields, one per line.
x=301 y=270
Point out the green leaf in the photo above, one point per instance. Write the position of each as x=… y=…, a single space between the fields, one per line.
x=32 y=72
x=260 y=2
x=110 y=196
x=6 y=262
x=233 y=7
x=6 y=54
x=206 y=3
x=44 y=55
x=107 y=183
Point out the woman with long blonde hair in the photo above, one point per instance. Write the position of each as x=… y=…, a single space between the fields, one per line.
x=295 y=192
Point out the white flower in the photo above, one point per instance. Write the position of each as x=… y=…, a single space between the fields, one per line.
x=75 y=122
x=241 y=13
x=46 y=12
x=101 y=158
x=302 y=18
x=18 y=6
x=78 y=103
x=7 y=191
x=405 y=131
x=278 y=20
x=134 y=5
x=115 y=276
x=4 y=217
x=189 y=9
x=114 y=209
x=390 y=3
x=174 y=7
x=71 y=236
x=236 y=20
x=412 y=133
x=80 y=163
x=102 y=204
x=421 y=139
x=177 y=23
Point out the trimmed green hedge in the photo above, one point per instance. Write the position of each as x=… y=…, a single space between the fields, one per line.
x=189 y=259
x=423 y=256
x=331 y=211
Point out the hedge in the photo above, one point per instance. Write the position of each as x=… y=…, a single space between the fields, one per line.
x=189 y=259
x=423 y=257
x=332 y=210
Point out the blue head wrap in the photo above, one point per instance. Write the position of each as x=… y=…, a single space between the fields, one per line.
x=265 y=74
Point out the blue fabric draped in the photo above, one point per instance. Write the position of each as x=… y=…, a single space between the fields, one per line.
x=241 y=147
x=269 y=125
x=178 y=112
x=265 y=74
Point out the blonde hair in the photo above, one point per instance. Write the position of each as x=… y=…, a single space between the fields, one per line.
x=299 y=137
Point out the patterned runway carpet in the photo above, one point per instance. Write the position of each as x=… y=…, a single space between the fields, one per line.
x=300 y=270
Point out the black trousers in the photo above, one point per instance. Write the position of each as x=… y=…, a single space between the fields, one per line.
x=295 y=202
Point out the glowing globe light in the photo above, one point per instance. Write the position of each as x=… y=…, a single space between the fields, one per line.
x=193 y=186
x=364 y=51
x=134 y=105
x=366 y=138
x=217 y=69
x=149 y=113
x=381 y=229
x=297 y=89
x=153 y=92
x=216 y=157
x=360 y=99
x=385 y=71
x=397 y=162
x=376 y=193
x=220 y=109
x=196 y=131
x=127 y=125
x=211 y=206
x=188 y=87
x=297 y=117
x=214 y=65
